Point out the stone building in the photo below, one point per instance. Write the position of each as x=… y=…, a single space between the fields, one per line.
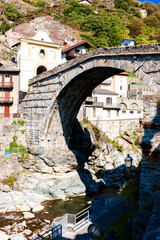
x=9 y=83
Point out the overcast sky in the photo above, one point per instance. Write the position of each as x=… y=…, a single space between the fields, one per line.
x=153 y=1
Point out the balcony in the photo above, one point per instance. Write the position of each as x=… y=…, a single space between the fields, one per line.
x=4 y=100
x=6 y=84
x=71 y=55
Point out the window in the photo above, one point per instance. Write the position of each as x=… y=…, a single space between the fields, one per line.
x=117 y=113
x=123 y=112
x=7 y=78
x=131 y=112
x=120 y=87
x=42 y=53
x=139 y=112
x=108 y=100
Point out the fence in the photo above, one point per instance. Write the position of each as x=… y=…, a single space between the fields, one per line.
x=72 y=222
x=55 y=233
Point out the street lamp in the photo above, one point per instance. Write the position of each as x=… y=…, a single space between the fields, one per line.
x=128 y=161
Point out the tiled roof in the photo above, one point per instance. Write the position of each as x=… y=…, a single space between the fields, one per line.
x=88 y=45
x=8 y=67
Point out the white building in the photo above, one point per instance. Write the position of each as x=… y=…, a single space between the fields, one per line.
x=117 y=83
x=40 y=54
x=126 y=42
x=71 y=51
x=36 y=55
x=108 y=109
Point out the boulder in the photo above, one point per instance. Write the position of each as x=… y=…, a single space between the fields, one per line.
x=18 y=236
x=37 y=208
x=90 y=184
x=108 y=166
x=4 y=236
x=27 y=232
x=28 y=215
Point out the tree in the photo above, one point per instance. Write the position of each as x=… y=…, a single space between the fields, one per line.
x=123 y=4
x=136 y=27
x=11 y=12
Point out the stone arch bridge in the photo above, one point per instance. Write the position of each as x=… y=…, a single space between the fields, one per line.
x=55 y=96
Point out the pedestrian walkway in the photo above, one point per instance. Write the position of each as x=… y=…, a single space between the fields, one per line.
x=103 y=218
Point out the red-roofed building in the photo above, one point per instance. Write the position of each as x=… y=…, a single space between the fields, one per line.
x=71 y=51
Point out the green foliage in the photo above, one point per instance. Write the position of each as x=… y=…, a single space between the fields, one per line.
x=85 y=120
x=152 y=21
x=136 y=27
x=96 y=131
x=11 y=12
x=21 y=122
x=58 y=16
x=131 y=190
x=134 y=135
x=27 y=1
x=5 y=27
x=115 y=144
x=10 y=180
x=41 y=4
x=7 y=54
x=121 y=226
x=15 y=137
x=103 y=29
x=133 y=146
x=22 y=131
x=123 y=4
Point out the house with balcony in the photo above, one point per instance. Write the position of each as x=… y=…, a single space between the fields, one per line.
x=111 y=110
x=9 y=87
x=70 y=51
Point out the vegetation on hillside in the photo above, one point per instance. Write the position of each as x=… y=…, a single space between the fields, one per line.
x=100 y=25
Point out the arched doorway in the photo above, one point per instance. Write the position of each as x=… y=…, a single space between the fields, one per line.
x=41 y=69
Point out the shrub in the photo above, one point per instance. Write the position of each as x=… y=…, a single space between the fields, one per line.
x=85 y=120
x=41 y=4
x=15 y=137
x=21 y=122
x=10 y=180
x=118 y=147
x=123 y=4
x=131 y=190
x=96 y=131
x=11 y=12
x=57 y=16
x=5 y=27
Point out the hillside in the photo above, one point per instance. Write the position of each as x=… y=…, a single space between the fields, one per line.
x=103 y=23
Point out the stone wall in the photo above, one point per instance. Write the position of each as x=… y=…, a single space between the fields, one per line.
x=8 y=130
x=114 y=128
x=54 y=97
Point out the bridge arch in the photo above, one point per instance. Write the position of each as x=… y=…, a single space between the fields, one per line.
x=55 y=96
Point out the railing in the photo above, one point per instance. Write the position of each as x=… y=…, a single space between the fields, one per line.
x=82 y=217
x=72 y=222
x=6 y=84
x=6 y=99
x=55 y=233
x=12 y=115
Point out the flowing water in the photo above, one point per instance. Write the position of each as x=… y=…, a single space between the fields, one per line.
x=52 y=209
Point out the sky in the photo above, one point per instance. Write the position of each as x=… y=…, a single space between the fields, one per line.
x=153 y=1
